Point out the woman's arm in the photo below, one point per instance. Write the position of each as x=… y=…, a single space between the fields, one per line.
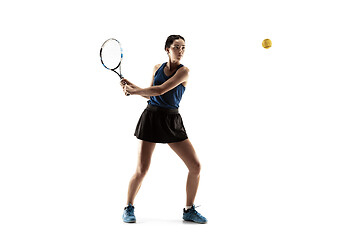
x=180 y=76
x=126 y=84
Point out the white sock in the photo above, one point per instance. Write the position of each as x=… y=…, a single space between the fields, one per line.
x=187 y=207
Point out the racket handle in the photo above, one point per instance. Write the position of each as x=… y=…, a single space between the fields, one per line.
x=127 y=94
x=121 y=78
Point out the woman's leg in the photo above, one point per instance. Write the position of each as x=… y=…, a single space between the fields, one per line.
x=144 y=158
x=186 y=152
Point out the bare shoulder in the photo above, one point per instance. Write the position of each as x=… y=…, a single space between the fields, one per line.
x=184 y=70
x=156 y=67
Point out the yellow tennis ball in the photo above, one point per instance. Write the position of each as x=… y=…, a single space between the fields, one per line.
x=267 y=43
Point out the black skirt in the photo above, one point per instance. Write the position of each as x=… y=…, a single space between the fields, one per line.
x=160 y=125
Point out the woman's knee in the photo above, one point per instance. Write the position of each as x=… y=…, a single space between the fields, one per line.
x=195 y=168
x=142 y=169
x=144 y=158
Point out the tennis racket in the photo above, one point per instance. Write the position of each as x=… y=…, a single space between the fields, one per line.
x=111 y=55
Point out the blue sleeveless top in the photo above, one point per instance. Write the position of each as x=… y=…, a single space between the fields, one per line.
x=170 y=99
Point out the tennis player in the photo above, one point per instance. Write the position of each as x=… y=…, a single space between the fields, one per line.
x=161 y=123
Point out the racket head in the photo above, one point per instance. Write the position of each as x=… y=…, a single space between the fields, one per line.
x=111 y=54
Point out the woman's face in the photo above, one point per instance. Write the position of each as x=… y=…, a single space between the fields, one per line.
x=176 y=50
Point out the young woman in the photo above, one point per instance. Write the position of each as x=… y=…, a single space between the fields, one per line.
x=161 y=123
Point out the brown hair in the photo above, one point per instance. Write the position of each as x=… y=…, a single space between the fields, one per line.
x=171 y=39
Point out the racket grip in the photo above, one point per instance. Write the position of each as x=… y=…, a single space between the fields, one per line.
x=127 y=94
x=121 y=78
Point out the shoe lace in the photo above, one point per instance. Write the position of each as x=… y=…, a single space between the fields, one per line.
x=196 y=212
x=130 y=210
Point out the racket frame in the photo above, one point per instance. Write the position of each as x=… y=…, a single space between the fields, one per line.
x=119 y=65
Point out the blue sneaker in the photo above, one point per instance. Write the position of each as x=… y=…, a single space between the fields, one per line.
x=128 y=215
x=193 y=215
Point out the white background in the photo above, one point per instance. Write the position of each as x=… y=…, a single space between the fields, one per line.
x=277 y=131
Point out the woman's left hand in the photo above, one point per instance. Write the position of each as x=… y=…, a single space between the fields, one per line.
x=129 y=89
